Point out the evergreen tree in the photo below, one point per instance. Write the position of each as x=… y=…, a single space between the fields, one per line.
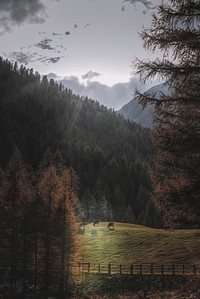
x=176 y=126
x=129 y=215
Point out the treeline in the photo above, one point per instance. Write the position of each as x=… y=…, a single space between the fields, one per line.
x=38 y=219
x=109 y=154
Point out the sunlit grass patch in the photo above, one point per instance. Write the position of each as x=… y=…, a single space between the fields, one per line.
x=131 y=243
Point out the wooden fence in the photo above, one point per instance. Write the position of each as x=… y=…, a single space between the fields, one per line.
x=136 y=269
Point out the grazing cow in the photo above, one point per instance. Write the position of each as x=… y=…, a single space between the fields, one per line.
x=110 y=226
x=96 y=223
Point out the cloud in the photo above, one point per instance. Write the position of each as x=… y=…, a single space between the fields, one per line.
x=67 y=33
x=90 y=75
x=111 y=96
x=21 y=57
x=16 y=12
x=45 y=44
x=86 y=25
x=53 y=59
x=28 y=57
x=74 y=84
x=146 y=3
x=54 y=33
x=52 y=76
x=50 y=59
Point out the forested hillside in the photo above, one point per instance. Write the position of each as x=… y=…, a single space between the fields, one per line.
x=109 y=154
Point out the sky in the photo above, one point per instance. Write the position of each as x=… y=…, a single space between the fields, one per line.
x=88 y=45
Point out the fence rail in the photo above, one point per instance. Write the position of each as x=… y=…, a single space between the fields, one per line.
x=136 y=269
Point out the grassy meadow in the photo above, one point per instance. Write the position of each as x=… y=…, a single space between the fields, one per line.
x=131 y=243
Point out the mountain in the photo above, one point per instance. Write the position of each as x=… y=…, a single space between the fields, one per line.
x=109 y=154
x=134 y=111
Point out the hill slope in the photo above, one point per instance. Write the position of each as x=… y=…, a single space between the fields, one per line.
x=133 y=111
x=109 y=154
x=130 y=243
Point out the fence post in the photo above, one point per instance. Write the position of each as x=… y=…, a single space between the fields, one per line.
x=162 y=269
x=131 y=269
x=183 y=268
x=109 y=268
x=173 y=269
x=99 y=267
x=140 y=269
x=120 y=267
x=88 y=267
x=79 y=267
x=194 y=269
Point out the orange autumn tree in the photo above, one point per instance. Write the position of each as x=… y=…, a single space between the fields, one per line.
x=56 y=191
x=16 y=196
x=70 y=242
x=39 y=223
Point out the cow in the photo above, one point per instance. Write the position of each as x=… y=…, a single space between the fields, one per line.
x=110 y=226
x=96 y=223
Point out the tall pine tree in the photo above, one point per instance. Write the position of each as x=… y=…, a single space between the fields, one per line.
x=175 y=31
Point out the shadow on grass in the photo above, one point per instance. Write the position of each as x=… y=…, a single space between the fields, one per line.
x=113 y=285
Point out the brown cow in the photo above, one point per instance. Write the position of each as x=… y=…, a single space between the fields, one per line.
x=110 y=226
x=96 y=223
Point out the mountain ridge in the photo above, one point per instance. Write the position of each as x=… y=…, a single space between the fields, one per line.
x=136 y=113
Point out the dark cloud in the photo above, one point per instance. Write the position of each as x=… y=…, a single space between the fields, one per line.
x=45 y=44
x=75 y=25
x=67 y=33
x=54 y=33
x=16 y=12
x=146 y=3
x=21 y=57
x=90 y=75
x=86 y=25
x=52 y=59
x=28 y=57
x=55 y=59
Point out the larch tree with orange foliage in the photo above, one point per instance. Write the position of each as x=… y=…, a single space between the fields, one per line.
x=56 y=191
x=70 y=242
x=17 y=189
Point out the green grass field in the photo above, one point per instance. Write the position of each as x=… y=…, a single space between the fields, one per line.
x=130 y=243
